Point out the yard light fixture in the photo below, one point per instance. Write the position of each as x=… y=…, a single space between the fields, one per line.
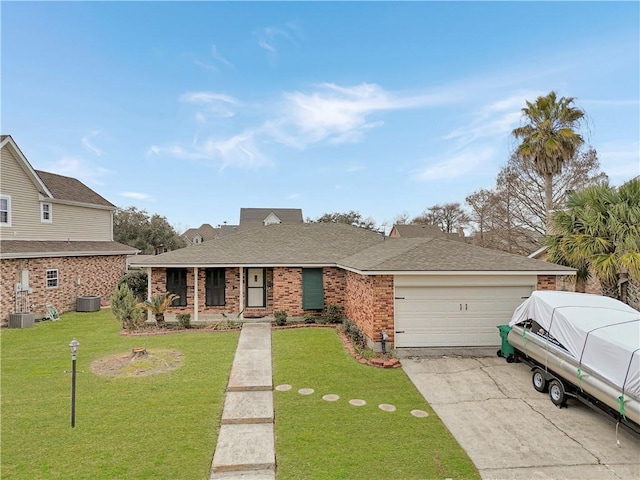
x=73 y=346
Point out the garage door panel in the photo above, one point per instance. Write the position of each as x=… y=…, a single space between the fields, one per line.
x=454 y=316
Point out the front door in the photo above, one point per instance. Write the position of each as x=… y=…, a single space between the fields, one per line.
x=255 y=288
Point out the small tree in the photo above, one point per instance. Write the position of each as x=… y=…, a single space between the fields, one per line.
x=125 y=308
x=158 y=305
x=136 y=280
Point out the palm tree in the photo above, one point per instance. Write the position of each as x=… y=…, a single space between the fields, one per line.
x=158 y=304
x=600 y=231
x=548 y=138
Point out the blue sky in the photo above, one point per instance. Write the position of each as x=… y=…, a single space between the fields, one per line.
x=195 y=109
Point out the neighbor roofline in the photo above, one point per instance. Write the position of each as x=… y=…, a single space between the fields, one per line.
x=232 y=265
x=88 y=253
x=81 y=204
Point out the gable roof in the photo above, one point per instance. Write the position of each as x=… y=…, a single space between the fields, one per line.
x=255 y=217
x=346 y=246
x=71 y=189
x=54 y=186
x=438 y=254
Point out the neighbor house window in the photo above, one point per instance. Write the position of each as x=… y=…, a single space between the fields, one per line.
x=52 y=278
x=5 y=210
x=214 y=286
x=197 y=239
x=45 y=213
x=312 y=289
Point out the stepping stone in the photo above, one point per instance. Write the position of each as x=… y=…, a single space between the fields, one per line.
x=305 y=391
x=284 y=387
x=387 y=407
x=357 y=402
x=248 y=407
x=244 y=475
x=245 y=447
x=331 y=397
x=419 y=413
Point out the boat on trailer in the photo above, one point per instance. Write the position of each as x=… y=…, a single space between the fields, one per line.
x=584 y=346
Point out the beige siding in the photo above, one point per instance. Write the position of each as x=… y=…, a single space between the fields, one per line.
x=69 y=222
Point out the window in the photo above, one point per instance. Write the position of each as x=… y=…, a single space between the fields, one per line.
x=45 y=213
x=52 y=278
x=312 y=289
x=177 y=283
x=197 y=239
x=5 y=210
x=214 y=286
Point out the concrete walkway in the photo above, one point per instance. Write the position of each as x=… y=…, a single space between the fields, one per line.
x=246 y=446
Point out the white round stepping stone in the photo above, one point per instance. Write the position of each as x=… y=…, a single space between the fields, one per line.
x=284 y=387
x=331 y=397
x=305 y=391
x=387 y=407
x=356 y=402
x=419 y=413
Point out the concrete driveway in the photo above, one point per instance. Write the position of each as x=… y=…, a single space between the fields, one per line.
x=511 y=431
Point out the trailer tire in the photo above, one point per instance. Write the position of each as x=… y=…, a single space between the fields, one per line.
x=557 y=393
x=539 y=382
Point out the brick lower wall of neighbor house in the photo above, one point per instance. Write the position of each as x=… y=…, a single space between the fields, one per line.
x=77 y=276
x=547 y=282
x=370 y=304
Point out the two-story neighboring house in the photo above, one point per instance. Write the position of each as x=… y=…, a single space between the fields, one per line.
x=56 y=238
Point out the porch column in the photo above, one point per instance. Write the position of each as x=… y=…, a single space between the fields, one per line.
x=148 y=270
x=241 y=305
x=195 y=294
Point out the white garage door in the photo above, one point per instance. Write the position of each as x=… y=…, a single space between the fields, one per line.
x=454 y=316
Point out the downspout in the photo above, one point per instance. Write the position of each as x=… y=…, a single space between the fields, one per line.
x=241 y=304
x=196 y=304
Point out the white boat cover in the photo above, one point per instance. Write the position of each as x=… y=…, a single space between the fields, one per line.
x=601 y=333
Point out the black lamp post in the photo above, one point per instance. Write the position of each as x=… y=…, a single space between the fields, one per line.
x=74 y=351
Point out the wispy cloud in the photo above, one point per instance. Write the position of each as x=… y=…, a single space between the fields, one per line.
x=270 y=37
x=86 y=172
x=338 y=114
x=88 y=144
x=210 y=104
x=136 y=195
x=456 y=165
x=237 y=151
x=218 y=57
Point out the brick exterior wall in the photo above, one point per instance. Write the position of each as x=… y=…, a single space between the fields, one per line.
x=546 y=282
x=98 y=276
x=284 y=291
x=369 y=303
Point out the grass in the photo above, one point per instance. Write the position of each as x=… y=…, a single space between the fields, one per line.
x=317 y=440
x=162 y=426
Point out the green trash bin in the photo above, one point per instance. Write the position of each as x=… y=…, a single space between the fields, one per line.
x=506 y=349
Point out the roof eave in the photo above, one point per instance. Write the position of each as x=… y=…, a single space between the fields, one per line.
x=8 y=256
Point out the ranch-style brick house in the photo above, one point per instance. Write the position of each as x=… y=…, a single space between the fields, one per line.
x=56 y=239
x=423 y=292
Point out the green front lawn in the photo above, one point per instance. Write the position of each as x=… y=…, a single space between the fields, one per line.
x=162 y=426
x=316 y=439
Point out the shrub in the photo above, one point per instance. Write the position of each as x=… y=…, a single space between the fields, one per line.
x=136 y=280
x=354 y=333
x=309 y=318
x=334 y=313
x=184 y=320
x=280 y=317
x=125 y=308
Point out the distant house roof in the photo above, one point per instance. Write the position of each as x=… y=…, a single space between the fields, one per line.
x=206 y=232
x=50 y=248
x=346 y=246
x=412 y=231
x=256 y=217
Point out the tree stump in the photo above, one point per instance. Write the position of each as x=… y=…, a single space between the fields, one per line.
x=138 y=352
